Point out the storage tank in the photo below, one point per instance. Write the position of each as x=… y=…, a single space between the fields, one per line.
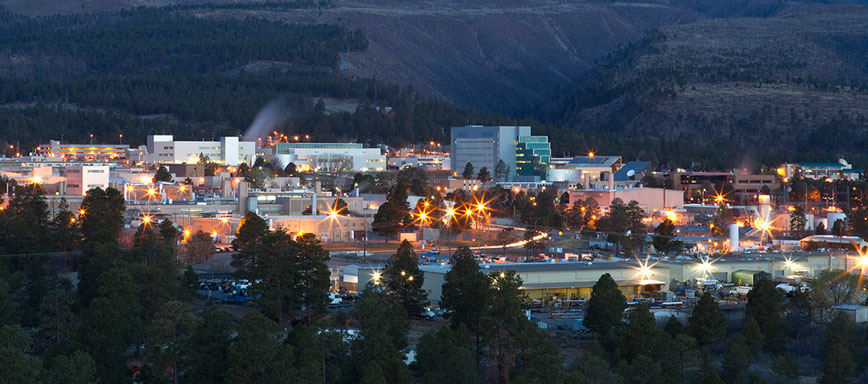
x=733 y=238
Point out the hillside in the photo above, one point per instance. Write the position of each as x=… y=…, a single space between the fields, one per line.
x=787 y=87
x=490 y=55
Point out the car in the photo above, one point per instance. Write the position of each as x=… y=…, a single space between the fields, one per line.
x=335 y=298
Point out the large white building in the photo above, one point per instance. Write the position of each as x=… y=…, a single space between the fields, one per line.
x=81 y=179
x=330 y=157
x=228 y=151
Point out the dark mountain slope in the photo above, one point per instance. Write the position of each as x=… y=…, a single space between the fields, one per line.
x=791 y=86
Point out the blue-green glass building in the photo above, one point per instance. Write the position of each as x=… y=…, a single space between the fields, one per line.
x=532 y=156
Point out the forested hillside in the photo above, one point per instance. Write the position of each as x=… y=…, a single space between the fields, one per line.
x=788 y=87
x=163 y=70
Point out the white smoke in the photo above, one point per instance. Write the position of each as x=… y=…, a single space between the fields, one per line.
x=275 y=115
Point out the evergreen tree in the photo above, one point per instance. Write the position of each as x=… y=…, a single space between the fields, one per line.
x=77 y=368
x=404 y=279
x=105 y=335
x=736 y=361
x=484 y=175
x=199 y=247
x=376 y=354
x=393 y=213
x=753 y=336
x=501 y=171
x=446 y=356
x=820 y=229
x=785 y=367
x=313 y=274
x=17 y=366
x=467 y=174
x=275 y=275
x=639 y=332
x=167 y=341
x=506 y=327
x=706 y=323
x=251 y=232
x=765 y=305
x=838 y=366
x=162 y=175
x=663 y=239
x=102 y=214
x=606 y=306
x=839 y=228
x=258 y=354
x=674 y=327
x=290 y=169
x=798 y=222
x=466 y=293
x=208 y=347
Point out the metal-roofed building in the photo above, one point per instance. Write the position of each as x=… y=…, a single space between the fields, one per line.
x=572 y=280
x=631 y=170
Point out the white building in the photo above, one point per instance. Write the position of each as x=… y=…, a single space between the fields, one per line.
x=79 y=180
x=227 y=151
x=331 y=157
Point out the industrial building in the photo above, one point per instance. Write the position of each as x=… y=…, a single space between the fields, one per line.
x=163 y=149
x=84 y=152
x=81 y=179
x=651 y=200
x=326 y=157
x=840 y=170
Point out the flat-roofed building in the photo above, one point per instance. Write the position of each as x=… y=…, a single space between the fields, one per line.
x=84 y=152
x=81 y=179
x=163 y=149
x=651 y=200
x=330 y=157
x=567 y=280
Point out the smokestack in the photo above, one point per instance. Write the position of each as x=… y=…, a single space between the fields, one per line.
x=313 y=210
x=611 y=181
x=587 y=182
x=765 y=207
x=733 y=238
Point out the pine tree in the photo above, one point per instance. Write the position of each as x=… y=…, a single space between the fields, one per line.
x=162 y=175
x=446 y=356
x=468 y=171
x=251 y=232
x=736 y=361
x=208 y=347
x=404 y=279
x=639 y=332
x=765 y=305
x=606 y=306
x=753 y=336
x=259 y=354
x=484 y=175
x=466 y=293
x=707 y=324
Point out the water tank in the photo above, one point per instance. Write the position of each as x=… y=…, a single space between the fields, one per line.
x=733 y=238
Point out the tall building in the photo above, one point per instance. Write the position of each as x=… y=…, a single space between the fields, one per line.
x=484 y=146
x=532 y=156
x=228 y=151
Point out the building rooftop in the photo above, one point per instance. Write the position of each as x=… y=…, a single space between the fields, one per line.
x=594 y=161
x=635 y=167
